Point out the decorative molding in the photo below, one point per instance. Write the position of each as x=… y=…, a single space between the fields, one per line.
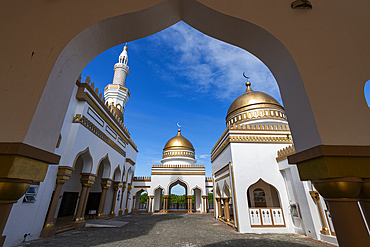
x=246 y=114
x=141 y=187
x=111 y=132
x=178 y=173
x=177 y=166
x=224 y=176
x=223 y=169
x=96 y=102
x=130 y=161
x=96 y=131
x=178 y=153
x=95 y=116
x=283 y=154
x=139 y=179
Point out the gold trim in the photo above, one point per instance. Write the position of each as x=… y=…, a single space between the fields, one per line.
x=223 y=169
x=283 y=154
x=96 y=115
x=234 y=197
x=141 y=187
x=113 y=134
x=81 y=119
x=224 y=176
x=178 y=173
x=82 y=152
x=130 y=161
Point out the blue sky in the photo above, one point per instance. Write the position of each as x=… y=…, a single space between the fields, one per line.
x=180 y=75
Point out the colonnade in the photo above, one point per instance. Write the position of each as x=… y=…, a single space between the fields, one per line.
x=226 y=213
x=87 y=180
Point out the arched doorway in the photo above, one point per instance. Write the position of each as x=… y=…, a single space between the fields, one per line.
x=158 y=199
x=97 y=197
x=178 y=192
x=141 y=201
x=72 y=189
x=197 y=204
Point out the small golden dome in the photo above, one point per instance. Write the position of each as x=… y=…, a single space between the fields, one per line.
x=252 y=100
x=116 y=111
x=178 y=142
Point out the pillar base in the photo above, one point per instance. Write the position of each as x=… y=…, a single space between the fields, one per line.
x=120 y=212
x=78 y=224
x=150 y=212
x=47 y=232
x=325 y=231
x=204 y=212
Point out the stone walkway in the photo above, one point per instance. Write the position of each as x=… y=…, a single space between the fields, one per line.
x=170 y=230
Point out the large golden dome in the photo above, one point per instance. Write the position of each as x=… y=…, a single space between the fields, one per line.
x=178 y=142
x=252 y=100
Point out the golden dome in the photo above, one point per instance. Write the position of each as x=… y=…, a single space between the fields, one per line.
x=178 y=142
x=252 y=100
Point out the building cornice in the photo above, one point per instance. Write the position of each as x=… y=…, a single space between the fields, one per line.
x=95 y=101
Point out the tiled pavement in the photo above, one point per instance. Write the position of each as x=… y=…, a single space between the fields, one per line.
x=170 y=230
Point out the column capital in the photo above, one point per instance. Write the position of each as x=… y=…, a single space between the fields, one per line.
x=117 y=185
x=87 y=179
x=105 y=183
x=64 y=172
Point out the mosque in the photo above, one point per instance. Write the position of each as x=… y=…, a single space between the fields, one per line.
x=254 y=188
x=95 y=173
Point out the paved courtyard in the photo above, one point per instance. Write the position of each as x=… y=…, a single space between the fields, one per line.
x=170 y=230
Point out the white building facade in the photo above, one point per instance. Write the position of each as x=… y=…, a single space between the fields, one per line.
x=178 y=168
x=95 y=173
x=253 y=192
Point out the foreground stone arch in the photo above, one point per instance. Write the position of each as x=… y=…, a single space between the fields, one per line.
x=305 y=50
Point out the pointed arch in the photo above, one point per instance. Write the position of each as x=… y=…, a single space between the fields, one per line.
x=197 y=187
x=158 y=187
x=117 y=174
x=263 y=194
x=177 y=181
x=226 y=189
x=107 y=166
x=218 y=193
x=87 y=160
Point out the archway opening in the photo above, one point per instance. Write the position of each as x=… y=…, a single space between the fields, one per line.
x=178 y=200
x=71 y=190
x=97 y=197
x=141 y=200
x=197 y=200
x=367 y=92
x=158 y=199
x=263 y=195
x=210 y=201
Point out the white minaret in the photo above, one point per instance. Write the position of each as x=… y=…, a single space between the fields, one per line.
x=117 y=94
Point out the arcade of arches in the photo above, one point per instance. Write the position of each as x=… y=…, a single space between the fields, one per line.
x=306 y=50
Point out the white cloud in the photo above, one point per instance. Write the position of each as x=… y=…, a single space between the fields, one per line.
x=202 y=156
x=212 y=66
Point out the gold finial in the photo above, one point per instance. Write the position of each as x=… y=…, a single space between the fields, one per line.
x=248 y=84
x=179 y=132
x=125 y=47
